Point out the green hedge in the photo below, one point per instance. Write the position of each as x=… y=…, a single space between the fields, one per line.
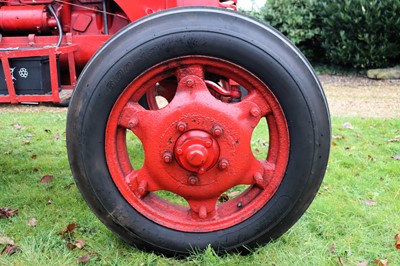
x=358 y=33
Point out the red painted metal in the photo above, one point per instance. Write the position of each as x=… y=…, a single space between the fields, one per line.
x=27 y=25
x=26 y=19
x=197 y=146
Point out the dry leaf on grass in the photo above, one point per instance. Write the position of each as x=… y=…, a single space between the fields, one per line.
x=338 y=137
x=18 y=127
x=397 y=238
x=78 y=244
x=46 y=178
x=396 y=157
x=370 y=202
x=69 y=230
x=9 y=250
x=5 y=240
x=84 y=259
x=32 y=222
x=348 y=125
x=380 y=262
x=363 y=263
x=6 y=212
x=340 y=261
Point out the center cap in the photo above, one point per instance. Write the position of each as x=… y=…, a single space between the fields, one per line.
x=196 y=151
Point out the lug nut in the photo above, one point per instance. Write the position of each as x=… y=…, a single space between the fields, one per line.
x=189 y=83
x=255 y=111
x=142 y=189
x=133 y=123
x=208 y=143
x=223 y=164
x=193 y=180
x=167 y=157
x=258 y=178
x=217 y=131
x=179 y=151
x=181 y=127
x=203 y=212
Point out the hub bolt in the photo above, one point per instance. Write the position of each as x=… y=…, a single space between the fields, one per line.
x=193 y=180
x=208 y=143
x=181 y=127
x=203 y=212
x=133 y=123
x=189 y=83
x=255 y=111
x=217 y=131
x=223 y=164
x=142 y=189
x=259 y=179
x=167 y=157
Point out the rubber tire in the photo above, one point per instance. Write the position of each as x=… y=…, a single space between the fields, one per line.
x=211 y=32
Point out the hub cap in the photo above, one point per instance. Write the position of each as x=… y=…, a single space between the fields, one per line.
x=197 y=146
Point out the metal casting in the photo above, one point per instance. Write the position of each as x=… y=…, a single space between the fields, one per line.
x=195 y=150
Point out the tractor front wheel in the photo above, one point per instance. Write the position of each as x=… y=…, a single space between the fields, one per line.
x=161 y=127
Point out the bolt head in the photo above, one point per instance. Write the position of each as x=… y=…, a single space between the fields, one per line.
x=189 y=83
x=167 y=157
x=181 y=127
x=217 y=131
x=223 y=164
x=133 y=123
x=208 y=143
x=193 y=180
x=255 y=111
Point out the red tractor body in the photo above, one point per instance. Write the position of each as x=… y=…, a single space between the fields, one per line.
x=45 y=44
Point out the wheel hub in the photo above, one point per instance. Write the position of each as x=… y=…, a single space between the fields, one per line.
x=196 y=151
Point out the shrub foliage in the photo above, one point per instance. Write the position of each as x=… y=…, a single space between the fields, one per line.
x=358 y=33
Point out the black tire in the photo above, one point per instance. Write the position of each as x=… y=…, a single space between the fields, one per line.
x=210 y=32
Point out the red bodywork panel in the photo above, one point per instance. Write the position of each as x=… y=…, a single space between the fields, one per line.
x=29 y=30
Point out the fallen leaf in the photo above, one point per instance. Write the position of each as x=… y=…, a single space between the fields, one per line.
x=381 y=262
x=363 y=263
x=35 y=169
x=338 y=137
x=69 y=229
x=84 y=259
x=49 y=202
x=70 y=246
x=80 y=243
x=27 y=142
x=396 y=157
x=18 y=127
x=370 y=202
x=47 y=130
x=395 y=139
x=348 y=125
x=56 y=136
x=334 y=143
x=6 y=212
x=340 y=261
x=34 y=156
x=332 y=249
x=224 y=197
x=358 y=136
x=347 y=148
x=9 y=250
x=233 y=194
x=397 y=238
x=372 y=159
x=7 y=152
x=46 y=178
x=32 y=222
x=257 y=150
x=5 y=240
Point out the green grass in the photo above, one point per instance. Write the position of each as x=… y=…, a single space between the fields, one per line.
x=338 y=223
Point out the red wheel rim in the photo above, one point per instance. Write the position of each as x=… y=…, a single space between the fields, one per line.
x=198 y=145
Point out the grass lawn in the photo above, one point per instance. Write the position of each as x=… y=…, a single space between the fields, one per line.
x=353 y=219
